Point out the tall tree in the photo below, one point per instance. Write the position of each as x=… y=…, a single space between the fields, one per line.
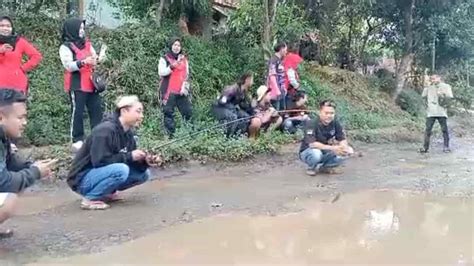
x=406 y=61
x=269 y=14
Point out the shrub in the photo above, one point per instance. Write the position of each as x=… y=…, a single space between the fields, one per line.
x=411 y=101
x=132 y=67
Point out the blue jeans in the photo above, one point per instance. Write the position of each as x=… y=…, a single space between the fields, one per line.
x=103 y=181
x=315 y=158
x=290 y=126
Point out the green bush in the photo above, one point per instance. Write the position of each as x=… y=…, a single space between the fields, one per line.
x=412 y=102
x=132 y=67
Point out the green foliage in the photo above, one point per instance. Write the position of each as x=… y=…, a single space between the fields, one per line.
x=48 y=123
x=214 y=145
x=385 y=80
x=361 y=108
x=132 y=67
x=145 y=9
x=134 y=51
x=412 y=102
x=460 y=75
x=247 y=22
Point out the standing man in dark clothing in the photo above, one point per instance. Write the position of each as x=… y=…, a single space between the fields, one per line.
x=109 y=161
x=233 y=104
x=437 y=95
x=16 y=174
x=324 y=144
x=276 y=77
x=174 y=89
x=79 y=60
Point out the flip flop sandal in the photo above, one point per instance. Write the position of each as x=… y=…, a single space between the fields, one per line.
x=94 y=205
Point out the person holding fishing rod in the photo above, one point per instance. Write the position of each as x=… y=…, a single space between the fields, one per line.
x=16 y=174
x=269 y=117
x=110 y=161
x=324 y=146
x=234 y=105
x=296 y=114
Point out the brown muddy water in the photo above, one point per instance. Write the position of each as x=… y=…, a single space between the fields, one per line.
x=367 y=227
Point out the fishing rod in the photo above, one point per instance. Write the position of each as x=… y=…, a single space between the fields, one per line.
x=227 y=123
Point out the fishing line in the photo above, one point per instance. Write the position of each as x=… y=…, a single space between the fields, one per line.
x=228 y=123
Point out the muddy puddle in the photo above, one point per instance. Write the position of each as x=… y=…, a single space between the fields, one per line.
x=369 y=227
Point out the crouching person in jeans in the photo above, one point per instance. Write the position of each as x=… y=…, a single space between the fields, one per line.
x=16 y=174
x=110 y=161
x=324 y=146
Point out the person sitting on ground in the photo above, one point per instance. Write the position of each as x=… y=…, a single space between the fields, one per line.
x=297 y=113
x=109 y=161
x=16 y=174
x=265 y=112
x=324 y=145
x=233 y=104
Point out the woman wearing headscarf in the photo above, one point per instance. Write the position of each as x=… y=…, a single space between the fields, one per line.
x=174 y=88
x=12 y=49
x=79 y=59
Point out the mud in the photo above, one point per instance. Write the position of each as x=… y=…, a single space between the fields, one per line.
x=366 y=227
x=267 y=192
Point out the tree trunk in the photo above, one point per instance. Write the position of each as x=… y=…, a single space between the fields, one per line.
x=159 y=12
x=269 y=13
x=309 y=8
x=407 y=57
x=365 y=40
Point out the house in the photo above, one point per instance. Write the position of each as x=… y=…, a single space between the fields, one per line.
x=104 y=14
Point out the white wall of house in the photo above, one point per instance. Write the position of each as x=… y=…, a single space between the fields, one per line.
x=101 y=13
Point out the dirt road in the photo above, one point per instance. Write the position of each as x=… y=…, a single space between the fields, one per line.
x=51 y=228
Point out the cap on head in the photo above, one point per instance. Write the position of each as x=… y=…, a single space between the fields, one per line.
x=262 y=91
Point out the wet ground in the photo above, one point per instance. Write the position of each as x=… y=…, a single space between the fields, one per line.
x=391 y=206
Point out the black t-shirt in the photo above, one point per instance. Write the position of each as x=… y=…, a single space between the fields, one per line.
x=315 y=131
x=235 y=96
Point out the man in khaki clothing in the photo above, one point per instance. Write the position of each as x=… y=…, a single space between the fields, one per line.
x=437 y=96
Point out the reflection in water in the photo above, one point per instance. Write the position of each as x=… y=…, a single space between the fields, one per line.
x=368 y=227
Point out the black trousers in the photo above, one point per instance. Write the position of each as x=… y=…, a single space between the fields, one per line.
x=229 y=114
x=79 y=101
x=184 y=107
x=429 y=130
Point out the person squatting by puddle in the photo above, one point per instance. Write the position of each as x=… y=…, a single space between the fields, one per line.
x=109 y=160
